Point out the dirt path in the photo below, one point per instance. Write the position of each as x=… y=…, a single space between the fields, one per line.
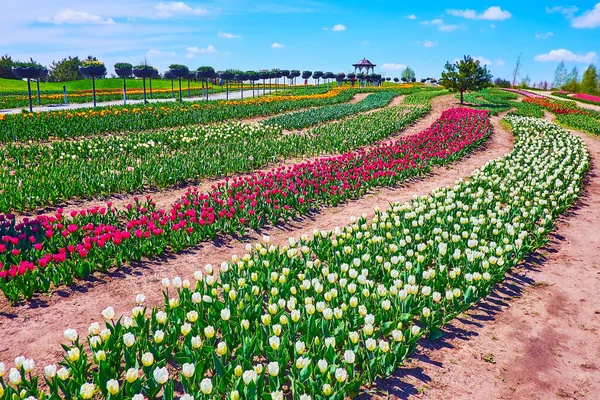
x=36 y=329
x=579 y=103
x=166 y=197
x=537 y=336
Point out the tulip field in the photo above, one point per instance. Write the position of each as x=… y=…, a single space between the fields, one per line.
x=321 y=316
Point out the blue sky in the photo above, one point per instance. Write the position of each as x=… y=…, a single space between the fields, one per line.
x=308 y=34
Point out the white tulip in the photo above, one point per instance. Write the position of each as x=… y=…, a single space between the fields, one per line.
x=206 y=386
x=161 y=375
x=71 y=335
x=108 y=313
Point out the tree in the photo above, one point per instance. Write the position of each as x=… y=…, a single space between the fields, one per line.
x=589 y=82
x=408 y=73
x=502 y=83
x=317 y=75
x=64 y=70
x=560 y=75
x=525 y=82
x=306 y=76
x=205 y=73
x=396 y=80
x=6 y=63
x=294 y=74
x=465 y=75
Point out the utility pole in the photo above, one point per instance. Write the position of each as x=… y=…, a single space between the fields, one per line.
x=516 y=71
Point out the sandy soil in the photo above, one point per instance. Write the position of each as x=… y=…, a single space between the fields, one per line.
x=35 y=329
x=536 y=336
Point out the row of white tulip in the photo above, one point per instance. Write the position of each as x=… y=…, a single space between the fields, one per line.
x=324 y=315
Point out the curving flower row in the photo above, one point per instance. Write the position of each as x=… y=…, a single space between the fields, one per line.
x=33 y=175
x=54 y=250
x=587 y=97
x=556 y=106
x=524 y=93
x=86 y=122
x=325 y=315
x=303 y=119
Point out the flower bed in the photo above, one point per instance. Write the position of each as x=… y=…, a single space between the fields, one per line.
x=587 y=97
x=130 y=118
x=557 y=107
x=164 y=158
x=524 y=93
x=323 y=316
x=303 y=119
x=55 y=250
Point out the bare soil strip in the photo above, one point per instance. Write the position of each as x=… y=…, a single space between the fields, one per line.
x=536 y=336
x=36 y=329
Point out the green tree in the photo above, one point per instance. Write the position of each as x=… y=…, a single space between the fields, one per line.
x=560 y=75
x=409 y=74
x=64 y=70
x=6 y=63
x=465 y=75
x=589 y=82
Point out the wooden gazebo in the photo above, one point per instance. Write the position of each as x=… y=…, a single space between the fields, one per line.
x=364 y=65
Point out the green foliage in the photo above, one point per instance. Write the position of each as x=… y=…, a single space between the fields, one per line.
x=123 y=65
x=560 y=75
x=167 y=157
x=306 y=118
x=6 y=63
x=132 y=118
x=143 y=66
x=91 y=63
x=64 y=70
x=502 y=83
x=179 y=67
x=581 y=122
x=465 y=75
x=409 y=74
x=589 y=82
x=27 y=64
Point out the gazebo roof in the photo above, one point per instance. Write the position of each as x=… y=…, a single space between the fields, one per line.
x=364 y=63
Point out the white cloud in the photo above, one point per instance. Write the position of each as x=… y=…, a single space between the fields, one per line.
x=483 y=60
x=568 y=11
x=448 y=28
x=441 y=25
x=543 y=36
x=172 y=8
x=436 y=21
x=77 y=18
x=154 y=53
x=589 y=19
x=500 y=62
x=277 y=46
x=428 y=43
x=411 y=16
x=566 y=55
x=493 y=13
x=493 y=26
x=228 y=35
x=193 y=50
x=393 y=67
x=339 y=27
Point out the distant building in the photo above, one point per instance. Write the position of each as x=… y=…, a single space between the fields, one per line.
x=364 y=65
